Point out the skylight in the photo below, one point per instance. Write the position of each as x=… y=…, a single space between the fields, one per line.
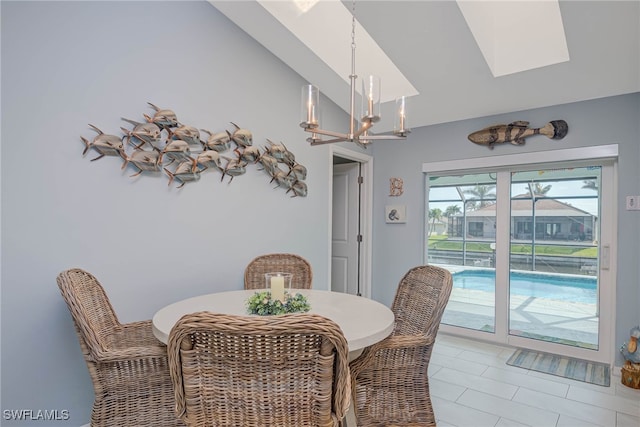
x=517 y=35
x=325 y=28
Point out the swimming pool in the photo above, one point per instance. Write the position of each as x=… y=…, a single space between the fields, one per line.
x=553 y=286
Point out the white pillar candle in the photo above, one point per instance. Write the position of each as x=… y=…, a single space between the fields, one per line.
x=277 y=288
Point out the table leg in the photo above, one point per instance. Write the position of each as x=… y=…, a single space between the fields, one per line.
x=350 y=418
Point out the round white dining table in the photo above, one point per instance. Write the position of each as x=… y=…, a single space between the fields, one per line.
x=363 y=321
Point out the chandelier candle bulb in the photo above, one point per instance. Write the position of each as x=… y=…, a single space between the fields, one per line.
x=310 y=99
x=371 y=91
x=399 y=124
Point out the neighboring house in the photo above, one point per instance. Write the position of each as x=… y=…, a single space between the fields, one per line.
x=554 y=220
x=438 y=227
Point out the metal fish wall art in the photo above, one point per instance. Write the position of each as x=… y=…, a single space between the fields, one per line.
x=219 y=141
x=210 y=159
x=186 y=171
x=145 y=133
x=176 y=149
x=278 y=151
x=162 y=143
x=242 y=137
x=249 y=154
x=516 y=133
x=299 y=189
x=106 y=145
x=143 y=160
x=189 y=134
x=233 y=168
x=162 y=118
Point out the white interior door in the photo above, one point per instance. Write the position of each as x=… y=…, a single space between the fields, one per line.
x=344 y=235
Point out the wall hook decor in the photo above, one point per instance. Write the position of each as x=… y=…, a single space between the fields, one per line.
x=162 y=143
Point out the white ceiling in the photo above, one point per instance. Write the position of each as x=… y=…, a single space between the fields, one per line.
x=432 y=46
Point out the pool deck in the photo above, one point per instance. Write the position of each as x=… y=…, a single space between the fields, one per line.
x=564 y=321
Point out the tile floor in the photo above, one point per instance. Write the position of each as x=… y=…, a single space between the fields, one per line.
x=471 y=385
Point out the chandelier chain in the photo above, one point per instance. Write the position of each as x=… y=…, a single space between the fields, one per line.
x=353 y=24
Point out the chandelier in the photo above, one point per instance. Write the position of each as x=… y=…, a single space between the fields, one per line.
x=370 y=108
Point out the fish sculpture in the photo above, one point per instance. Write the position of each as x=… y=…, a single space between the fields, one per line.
x=176 y=149
x=233 y=168
x=186 y=171
x=298 y=171
x=146 y=133
x=210 y=159
x=143 y=161
x=242 y=137
x=278 y=151
x=220 y=141
x=106 y=145
x=250 y=154
x=163 y=118
x=299 y=189
x=268 y=162
x=281 y=178
x=516 y=132
x=189 y=134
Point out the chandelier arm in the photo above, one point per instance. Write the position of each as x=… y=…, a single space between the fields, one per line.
x=329 y=141
x=382 y=137
x=365 y=127
x=329 y=133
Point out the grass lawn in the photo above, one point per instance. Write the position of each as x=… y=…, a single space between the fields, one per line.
x=441 y=243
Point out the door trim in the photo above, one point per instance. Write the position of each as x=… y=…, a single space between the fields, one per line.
x=366 y=213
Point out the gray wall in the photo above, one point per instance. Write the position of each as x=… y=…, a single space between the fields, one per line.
x=614 y=120
x=68 y=64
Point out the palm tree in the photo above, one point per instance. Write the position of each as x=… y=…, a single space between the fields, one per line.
x=452 y=210
x=435 y=214
x=480 y=192
x=538 y=189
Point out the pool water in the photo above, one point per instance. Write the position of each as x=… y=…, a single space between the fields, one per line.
x=558 y=287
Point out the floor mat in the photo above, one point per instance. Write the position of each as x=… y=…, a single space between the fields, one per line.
x=567 y=367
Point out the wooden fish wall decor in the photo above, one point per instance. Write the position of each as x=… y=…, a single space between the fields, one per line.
x=162 y=143
x=516 y=132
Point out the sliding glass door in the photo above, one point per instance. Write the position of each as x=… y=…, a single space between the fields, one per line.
x=461 y=235
x=553 y=264
x=524 y=246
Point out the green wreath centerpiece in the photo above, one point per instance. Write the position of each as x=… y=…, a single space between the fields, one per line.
x=262 y=304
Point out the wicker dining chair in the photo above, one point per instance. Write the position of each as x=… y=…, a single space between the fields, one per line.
x=127 y=364
x=250 y=371
x=389 y=379
x=287 y=263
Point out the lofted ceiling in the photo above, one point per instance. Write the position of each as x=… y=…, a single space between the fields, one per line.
x=432 y=45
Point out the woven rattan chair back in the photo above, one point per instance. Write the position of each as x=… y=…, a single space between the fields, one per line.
x=420 y=300
x=287 y=263
x=127 y=364
x=90 y=308
x=289 y=370
x=389 y=380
